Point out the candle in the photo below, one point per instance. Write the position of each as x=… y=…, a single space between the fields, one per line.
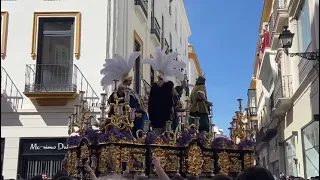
x=211 y=127
x=103 y=98
x=74 y=118
x=103 y=113
x=132 y=114
x=81 y=95
x=75 y=109
x=197 y=121
x=146 y=126
x=168 y=125
x=69 y=120
x=78 y=109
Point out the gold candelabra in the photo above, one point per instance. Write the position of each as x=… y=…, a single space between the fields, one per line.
x=81 y=118
x=242 y=127
x=123 y=115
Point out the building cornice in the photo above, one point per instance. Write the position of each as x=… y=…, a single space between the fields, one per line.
x=184 y=17
x=192 y=55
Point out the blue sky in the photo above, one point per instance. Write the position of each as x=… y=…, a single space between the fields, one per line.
x=224 y=35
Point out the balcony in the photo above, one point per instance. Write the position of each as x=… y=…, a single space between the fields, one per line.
x=293 y=7
x=141 y=8
x=56 y=84
x=165 y=45
x=268 y=68
x=282 y=96
x=266 y=133
x=155 y=31
x=277 y=21
x=11 y=97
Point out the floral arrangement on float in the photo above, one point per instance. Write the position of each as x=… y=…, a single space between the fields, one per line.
x=247 y=144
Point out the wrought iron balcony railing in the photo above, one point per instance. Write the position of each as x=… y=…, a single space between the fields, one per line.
x=10 y=92
x=155 y=28
x=278 y=5
x=166 y=46
x=143 y=4
x=283 y=88
x=53 y=78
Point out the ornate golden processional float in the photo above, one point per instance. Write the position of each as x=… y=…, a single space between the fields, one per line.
x=184 y=150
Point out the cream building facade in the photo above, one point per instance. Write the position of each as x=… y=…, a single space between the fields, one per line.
x=287 y=89
x=52 y=49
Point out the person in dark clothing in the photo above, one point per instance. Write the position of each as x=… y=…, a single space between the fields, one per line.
x=160 y=104
x=64 y=178
x=221 y=177
x=38 y=177
x=60 y=174
x=256 y=173
x=63 y=172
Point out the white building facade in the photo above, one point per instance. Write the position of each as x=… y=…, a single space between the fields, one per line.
x=288 y=89
x=53 y=49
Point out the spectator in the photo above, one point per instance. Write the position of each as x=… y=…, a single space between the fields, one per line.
x=64 y=178
x=256 y=173
x=63 y=172
x=192 y=178
x=159 y=170
x=221 y=177
x=177 y=177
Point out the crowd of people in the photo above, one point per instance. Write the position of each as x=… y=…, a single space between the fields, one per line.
x=252 y=173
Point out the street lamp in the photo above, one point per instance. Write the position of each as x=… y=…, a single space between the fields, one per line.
x=286 y=37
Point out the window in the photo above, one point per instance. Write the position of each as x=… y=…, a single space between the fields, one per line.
x=138 y=68
x=304 y=26
x=162 y=21
x=57 y=17
x=175 y=22
x=310 y=140
x=290 y=156
x=170 y=39
x=2 y=152
x=54 y=54
x=170 y=7
x=152 y=74
x=4 y=33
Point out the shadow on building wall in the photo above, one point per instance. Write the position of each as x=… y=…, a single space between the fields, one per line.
x=9 y=107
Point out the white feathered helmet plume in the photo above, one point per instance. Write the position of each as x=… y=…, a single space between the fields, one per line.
x=166 y=65
x=117 y=68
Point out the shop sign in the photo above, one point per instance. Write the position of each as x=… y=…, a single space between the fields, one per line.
x=44 y=145
x=58 y=146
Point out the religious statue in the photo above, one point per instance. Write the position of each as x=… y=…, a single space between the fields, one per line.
x=118 y=69
x=161 y=98
x=200 y=106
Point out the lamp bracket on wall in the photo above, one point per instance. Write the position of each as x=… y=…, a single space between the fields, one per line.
x=312 y=56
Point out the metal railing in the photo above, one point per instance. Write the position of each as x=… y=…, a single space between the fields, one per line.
x=58 y=78
x=143 y=4
x=166 y=46
x=283 y=88
x=278 y=5
x=155 y=27
x=10 y=92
